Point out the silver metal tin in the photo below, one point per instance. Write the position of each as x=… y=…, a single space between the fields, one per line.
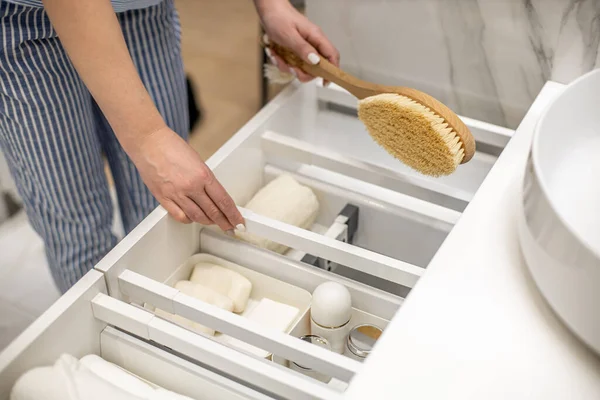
x=316 y=340
x=362 y=339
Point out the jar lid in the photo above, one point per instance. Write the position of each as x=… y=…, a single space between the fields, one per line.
x=316 y=340
x=362 y=339
x=331 y=305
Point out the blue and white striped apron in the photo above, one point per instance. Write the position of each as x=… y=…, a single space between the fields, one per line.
x=53 y=134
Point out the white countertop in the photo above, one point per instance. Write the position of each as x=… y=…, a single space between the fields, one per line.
x=475 y=326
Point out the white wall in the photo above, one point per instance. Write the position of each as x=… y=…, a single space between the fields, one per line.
x=486 y=59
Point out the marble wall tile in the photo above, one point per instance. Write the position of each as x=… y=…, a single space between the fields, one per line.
x=486 y=59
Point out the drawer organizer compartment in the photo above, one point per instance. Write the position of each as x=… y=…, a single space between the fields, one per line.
x=373 y=218
x=138 y=276
x=264 y=291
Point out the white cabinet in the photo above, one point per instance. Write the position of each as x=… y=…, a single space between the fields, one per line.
x=312 y=133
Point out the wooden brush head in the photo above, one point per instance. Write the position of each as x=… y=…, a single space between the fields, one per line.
x=412 y=133
x=414 y=127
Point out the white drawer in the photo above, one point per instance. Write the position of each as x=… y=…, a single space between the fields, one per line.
x=309 y=132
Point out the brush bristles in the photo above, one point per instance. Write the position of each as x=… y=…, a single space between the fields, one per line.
x=274 y=75
x=412 y=133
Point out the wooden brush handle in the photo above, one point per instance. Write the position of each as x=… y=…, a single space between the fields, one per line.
x=326 y=70
x=363 y=89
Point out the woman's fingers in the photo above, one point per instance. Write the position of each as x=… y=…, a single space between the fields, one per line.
x=310 y=44
x=299 y=45
x=301 y=75
x=175 y=211
x=211 y=210
x=193 y=211
x=216 y=192
x=284 y=67
x=313 y=35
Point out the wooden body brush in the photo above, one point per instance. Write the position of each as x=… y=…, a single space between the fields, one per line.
x=409 y=124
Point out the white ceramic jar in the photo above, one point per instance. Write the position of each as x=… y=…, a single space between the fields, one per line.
x=331 y=310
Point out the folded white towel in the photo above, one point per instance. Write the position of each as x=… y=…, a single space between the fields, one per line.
x=285 y=200
x=67 y=379
x=117 y=376
x=92 y=378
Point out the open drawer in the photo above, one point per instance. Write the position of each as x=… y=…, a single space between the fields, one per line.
x=311 y=133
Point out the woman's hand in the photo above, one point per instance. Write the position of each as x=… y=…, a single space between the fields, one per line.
x=183 y=183
x=285 y=26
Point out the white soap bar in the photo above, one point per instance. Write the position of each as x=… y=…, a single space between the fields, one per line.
x=184 y=322
x=117 y=376
x=285 y=200
x=206 y=294
x=269 y=314
x=224 y=281
x=199 y=292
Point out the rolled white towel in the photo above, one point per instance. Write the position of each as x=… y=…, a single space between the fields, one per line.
x=67 y=379
x=127 y=381
x=285 y=200
x=117 y=376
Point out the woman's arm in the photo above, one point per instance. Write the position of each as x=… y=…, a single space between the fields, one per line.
x=91 y=35
x=173 y=171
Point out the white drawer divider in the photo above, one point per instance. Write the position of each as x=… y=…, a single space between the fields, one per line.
x=327 y=248
x=304 y=152
x=264 y=374
x=139 y=287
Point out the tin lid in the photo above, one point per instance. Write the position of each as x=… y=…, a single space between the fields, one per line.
x=316 y=340
x=362 y=339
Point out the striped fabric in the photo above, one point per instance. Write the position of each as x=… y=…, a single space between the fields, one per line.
x=53 y=133
x=118 y=5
